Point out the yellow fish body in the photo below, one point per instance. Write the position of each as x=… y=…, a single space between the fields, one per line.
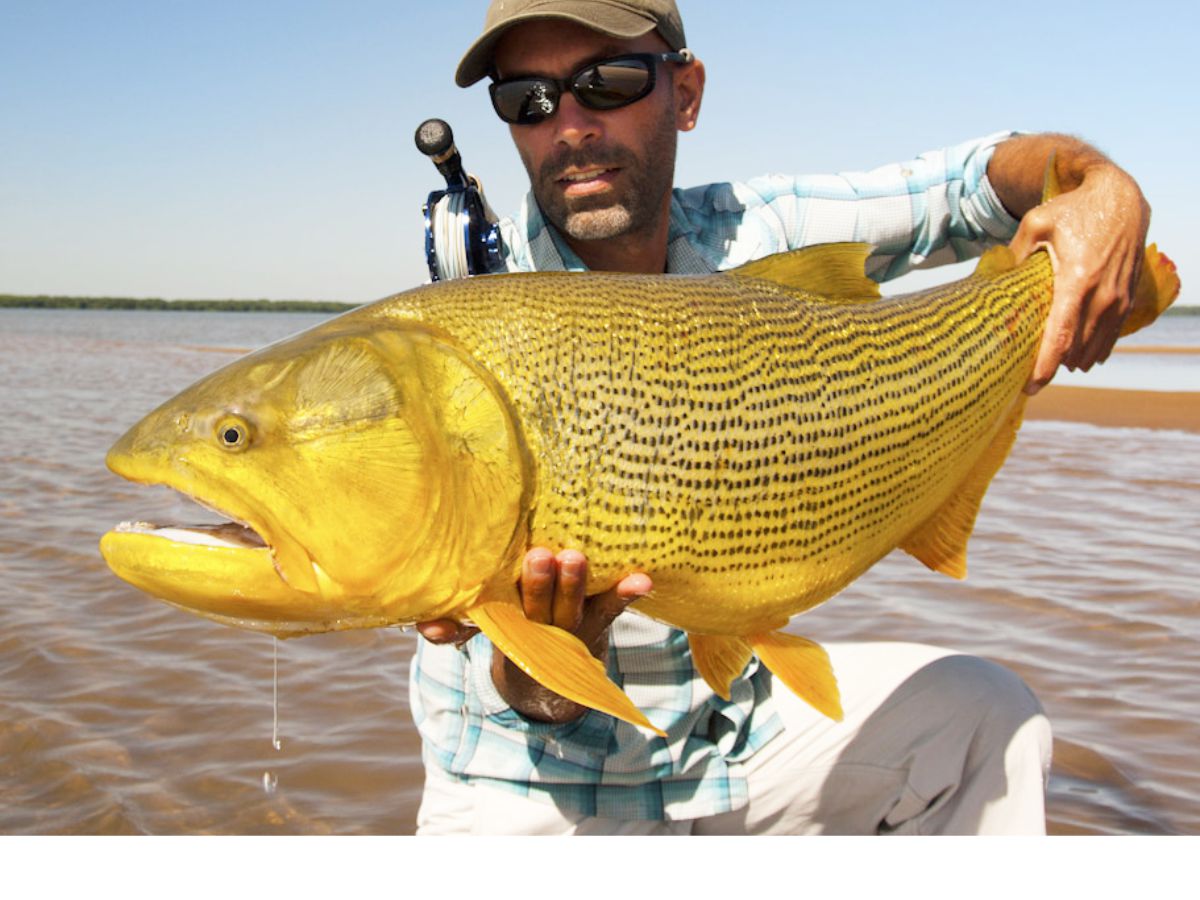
x=753 y=440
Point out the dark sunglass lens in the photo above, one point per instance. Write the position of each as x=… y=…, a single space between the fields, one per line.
x=525 y=101
x=608 y=85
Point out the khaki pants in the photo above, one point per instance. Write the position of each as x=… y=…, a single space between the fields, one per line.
x=932 y=743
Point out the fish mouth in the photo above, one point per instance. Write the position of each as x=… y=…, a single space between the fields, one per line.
x=247 y=527
x=231 y=532
x=233 y=535
x=224 y=571
x=235 y=532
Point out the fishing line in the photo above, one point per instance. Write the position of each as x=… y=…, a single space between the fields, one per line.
x=275 y=695
x=270 y=780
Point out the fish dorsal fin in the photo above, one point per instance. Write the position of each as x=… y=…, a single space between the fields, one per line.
x=995 y=261
x=1050 y=186
x=555 y=659
x=719 y=659
x=834 y=270
x=941 y=541
x=802 y=665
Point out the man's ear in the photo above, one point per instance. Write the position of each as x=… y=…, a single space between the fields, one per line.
x=689 y=90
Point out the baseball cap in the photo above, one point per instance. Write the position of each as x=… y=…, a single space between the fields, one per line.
x=616 y=18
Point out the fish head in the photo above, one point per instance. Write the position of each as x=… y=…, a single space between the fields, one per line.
x=374 y=475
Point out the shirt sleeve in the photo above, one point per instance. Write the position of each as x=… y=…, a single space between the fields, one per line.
x=937 y=208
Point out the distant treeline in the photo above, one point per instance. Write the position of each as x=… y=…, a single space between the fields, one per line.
x=44 y=302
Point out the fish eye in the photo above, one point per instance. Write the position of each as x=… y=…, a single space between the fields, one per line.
x=233 y=434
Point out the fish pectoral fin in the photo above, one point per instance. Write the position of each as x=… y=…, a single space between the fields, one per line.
x=719 y=659
x=941 y=540
x=834 y=270
x=556 y=659
x=802 y=665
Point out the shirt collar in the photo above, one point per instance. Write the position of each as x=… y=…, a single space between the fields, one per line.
x=550 y=252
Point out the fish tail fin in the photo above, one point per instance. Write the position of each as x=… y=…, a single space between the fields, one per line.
x=1157 y=288
x=940 y=542
x=556 y=659
x=719 y=659
x=802 y=665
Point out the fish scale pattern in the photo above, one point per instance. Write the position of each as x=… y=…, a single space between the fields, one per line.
x=751 y=446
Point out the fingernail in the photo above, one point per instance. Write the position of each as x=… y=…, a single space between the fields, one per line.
x=542 y=565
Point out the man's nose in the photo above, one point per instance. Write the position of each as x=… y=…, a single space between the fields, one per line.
x=574 y=123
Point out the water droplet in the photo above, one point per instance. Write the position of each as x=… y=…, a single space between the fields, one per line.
x=270 y=782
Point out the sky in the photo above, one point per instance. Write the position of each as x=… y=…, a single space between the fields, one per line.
x=264 y=149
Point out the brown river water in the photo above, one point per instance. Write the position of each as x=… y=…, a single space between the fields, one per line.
x=120 y=714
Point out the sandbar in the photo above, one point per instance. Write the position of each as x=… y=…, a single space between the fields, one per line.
x=1115 y=408
x=1159 y=349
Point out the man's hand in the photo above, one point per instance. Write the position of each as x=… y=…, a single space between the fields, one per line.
x=552 y=592
x=1095 y=233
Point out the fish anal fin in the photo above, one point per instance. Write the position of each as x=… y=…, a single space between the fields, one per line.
x=1157 y=288
x=834 y=270
x=941 y=541
x=803 y=666
x=556 y=659
x=719 y=659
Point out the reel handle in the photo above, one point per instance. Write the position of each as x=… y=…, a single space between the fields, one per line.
x=435 y=139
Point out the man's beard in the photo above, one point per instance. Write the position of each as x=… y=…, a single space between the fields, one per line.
x=637 y=208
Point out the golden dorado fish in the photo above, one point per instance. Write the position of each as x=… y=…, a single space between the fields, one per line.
x=753 y=440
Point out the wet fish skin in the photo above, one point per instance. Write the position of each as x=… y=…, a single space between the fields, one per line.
x=754 y=440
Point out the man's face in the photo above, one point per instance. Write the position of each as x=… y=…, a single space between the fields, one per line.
x=596 y=174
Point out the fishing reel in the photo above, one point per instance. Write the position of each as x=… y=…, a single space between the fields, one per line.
x=462 y=237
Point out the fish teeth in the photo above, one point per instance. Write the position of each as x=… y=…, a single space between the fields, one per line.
x=136 y=527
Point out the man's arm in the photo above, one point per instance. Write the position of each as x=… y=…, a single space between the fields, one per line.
x=1095 y=233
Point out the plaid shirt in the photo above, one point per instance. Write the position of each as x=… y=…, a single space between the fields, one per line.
x=936 y=209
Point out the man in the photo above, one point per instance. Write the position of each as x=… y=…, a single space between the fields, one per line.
x=596 y=93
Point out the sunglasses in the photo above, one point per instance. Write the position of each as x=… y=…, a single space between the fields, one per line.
x=607 y=84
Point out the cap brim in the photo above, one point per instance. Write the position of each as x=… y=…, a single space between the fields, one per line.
x=476 y=62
